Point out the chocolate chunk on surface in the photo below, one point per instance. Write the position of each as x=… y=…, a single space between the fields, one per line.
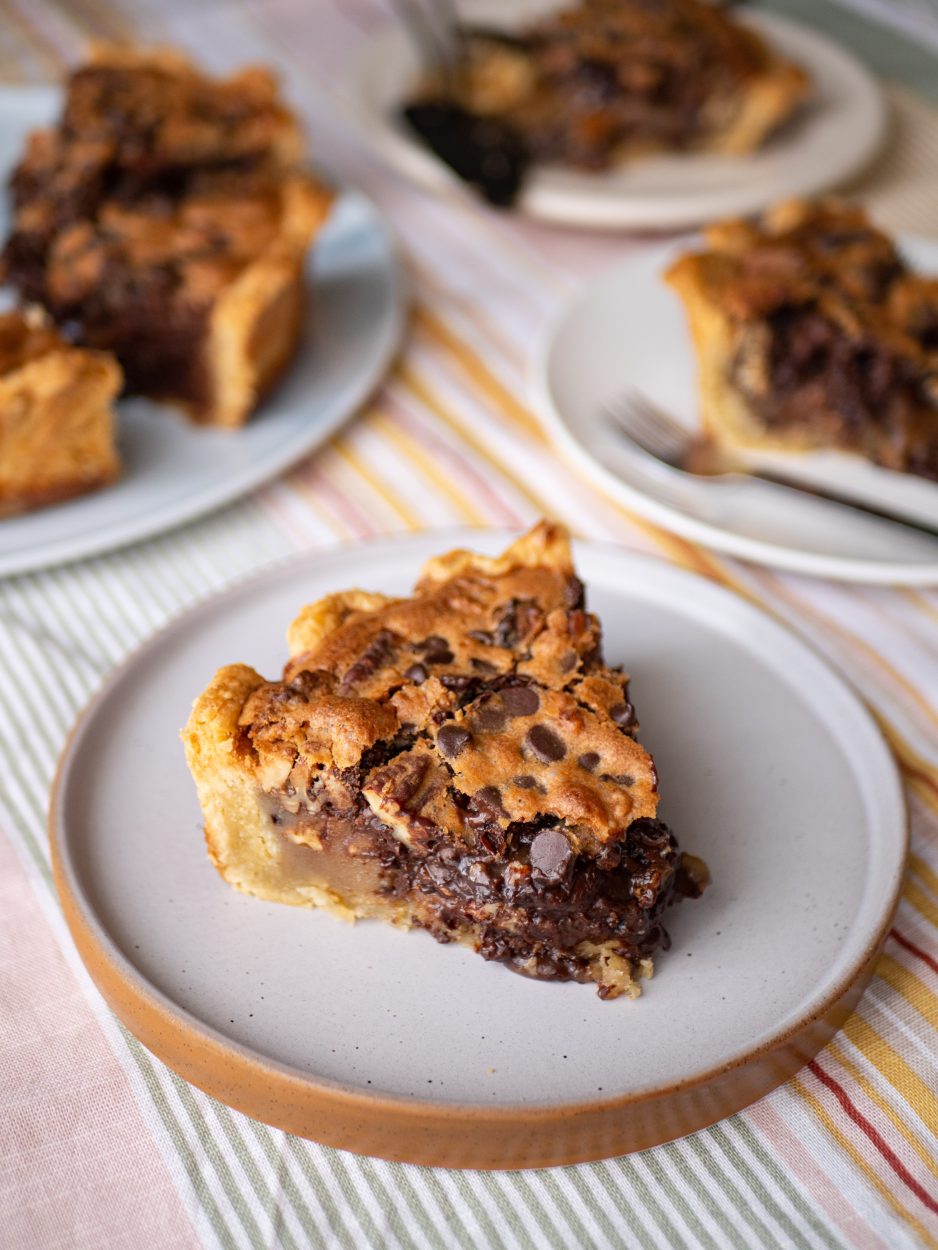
x=452 y=740
x=551 y=855
x=545 y=744
x=520 y=700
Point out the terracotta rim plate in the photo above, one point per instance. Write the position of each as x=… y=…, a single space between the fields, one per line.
x=384 y=1042
x=828 y=143
x=174 y=471
x=627 y=330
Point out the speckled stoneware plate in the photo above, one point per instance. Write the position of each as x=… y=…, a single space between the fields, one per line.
x=628 y=331
x=383 y=1042
x=174 y=471
x=825 y=144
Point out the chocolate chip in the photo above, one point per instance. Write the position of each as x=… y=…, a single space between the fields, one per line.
x=490 y=718
x=439 y=655
x=527 y=782
x=545 y=744
x=455 y=681
x=551 y=855
x=416 y=673
x=482 y=666
x=452 y=740
x=623 y=714
x=588 y=761
x=622 y=779
x=490 y=800
x=568 y=662
x=520 y=700
x=574 y=593
x=481 y=635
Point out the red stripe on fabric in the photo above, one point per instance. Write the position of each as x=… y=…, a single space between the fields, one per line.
x=915 y=950
x=875 y=1137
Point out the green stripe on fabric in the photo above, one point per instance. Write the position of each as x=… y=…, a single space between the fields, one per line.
x=719 y=1135
x=265 y=1195
x=550 y=1234
x=705 y=1196
x=575 y=1177
x=614 y=1171
x=337 y=1165
x=652 y=1159
x=432 y=1180
x=478 y=1209
x=296 y=1150
x=574 y=1222
x=194 y=1174
x=398 y=1175
x=491 y=1183
x=795 y=1196
x=218 y=1161
x=726 y=1183
x=276 y=1148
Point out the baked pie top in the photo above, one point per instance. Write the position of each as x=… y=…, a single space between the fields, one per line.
x=829 y=254
x=481 y=701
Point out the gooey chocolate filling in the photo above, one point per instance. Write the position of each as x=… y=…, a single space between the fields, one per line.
x=802 y=370
x=528 y=898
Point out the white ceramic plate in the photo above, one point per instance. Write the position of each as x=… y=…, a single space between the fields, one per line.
x=771 y=769
x=826 y=144
x=174 y=471
x=628 y=330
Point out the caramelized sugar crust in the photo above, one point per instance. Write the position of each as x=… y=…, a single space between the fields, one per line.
x=812 y=331
x=462 y=760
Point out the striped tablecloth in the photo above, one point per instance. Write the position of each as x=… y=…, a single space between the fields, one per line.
x=101 y=1146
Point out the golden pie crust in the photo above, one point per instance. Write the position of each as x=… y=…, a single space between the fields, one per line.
x=56 y=415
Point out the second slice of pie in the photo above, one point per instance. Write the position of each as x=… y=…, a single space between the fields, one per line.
x=461 y=761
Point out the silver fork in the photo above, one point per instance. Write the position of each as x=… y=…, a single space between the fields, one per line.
x=662 y=437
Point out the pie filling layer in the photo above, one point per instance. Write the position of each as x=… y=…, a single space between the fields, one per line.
x=800 y=370
x=520 y=896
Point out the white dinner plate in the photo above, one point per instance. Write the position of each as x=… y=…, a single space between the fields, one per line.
x=771 y=769
x=628 y=331
x=174 y=471
x=833 y=137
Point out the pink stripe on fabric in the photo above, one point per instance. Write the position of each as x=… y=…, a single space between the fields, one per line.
x=78 y=1167
x=815 y=1182
x=464 y=470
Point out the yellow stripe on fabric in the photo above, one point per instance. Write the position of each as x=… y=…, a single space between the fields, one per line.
x=471 y=311
x=925 y=1153
x=904 y=981
x=478 y=371
x=430 y=399
x=858 y=644
x=425 y=464
x=872 y=1176
x=297 y=483
x=927 y=875
x=921 y=902
x=33 y=35
x=894 y=1068
x=354 y=461
x=918 y=600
